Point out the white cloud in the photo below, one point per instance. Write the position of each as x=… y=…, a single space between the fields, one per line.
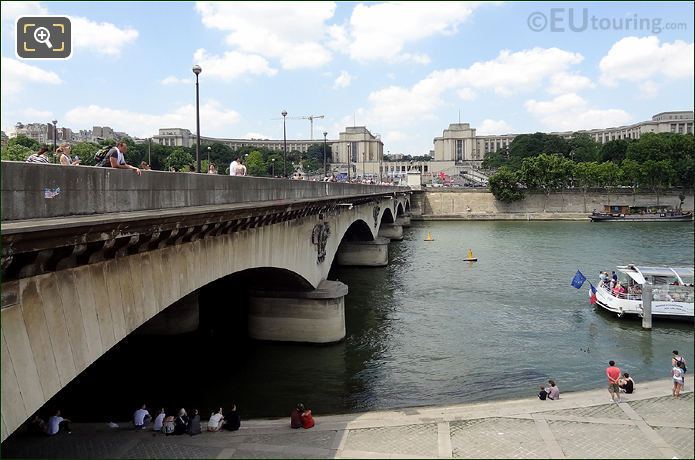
x=287 y=31
x=10 y=11
x=509 y=73
x=16 y=75
x=636 y=59
x=172 y=80
x=232 y=64
x=570 y=112
x=343 y=80
x=494 y=127
x=415 y=58
x=100 y=37
x=214 y=119
x=569 y=83
x=466 y=94
x=382 y=30
x=648 y=90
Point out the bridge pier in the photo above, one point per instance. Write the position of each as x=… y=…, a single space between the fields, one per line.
x=403 y=220
x=316 y=316
x=373 y=253
x=179 y=318
x=391 y=231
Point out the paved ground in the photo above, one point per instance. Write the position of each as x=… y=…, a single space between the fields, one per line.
x=648 y=424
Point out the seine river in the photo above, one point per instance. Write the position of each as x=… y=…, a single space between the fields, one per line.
x=428 y=329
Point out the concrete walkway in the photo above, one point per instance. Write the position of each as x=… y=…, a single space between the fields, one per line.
x=648 y=424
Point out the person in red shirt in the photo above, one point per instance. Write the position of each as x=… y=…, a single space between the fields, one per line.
x=307 y=419
x=613 y=374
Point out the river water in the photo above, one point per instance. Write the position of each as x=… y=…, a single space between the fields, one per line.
x=428 y=329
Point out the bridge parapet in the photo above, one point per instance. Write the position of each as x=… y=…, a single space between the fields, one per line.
x=35 y=191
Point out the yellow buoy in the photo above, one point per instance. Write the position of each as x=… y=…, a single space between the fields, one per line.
x=429 y=236
x=470 y=257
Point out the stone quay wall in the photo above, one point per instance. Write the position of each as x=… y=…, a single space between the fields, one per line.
x=464 y=204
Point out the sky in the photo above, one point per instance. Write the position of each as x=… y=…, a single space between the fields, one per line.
x=406 y=70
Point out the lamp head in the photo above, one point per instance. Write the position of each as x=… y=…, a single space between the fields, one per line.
x=284 y=113
x=197 y=69
x=325 y=134
x=55 y=122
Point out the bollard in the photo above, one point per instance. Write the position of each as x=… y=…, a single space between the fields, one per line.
x=647 y=306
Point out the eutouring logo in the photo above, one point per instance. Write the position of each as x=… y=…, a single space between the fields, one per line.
x=581 y=20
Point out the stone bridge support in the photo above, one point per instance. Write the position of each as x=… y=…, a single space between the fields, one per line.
x=373 y=253
x=316 y=316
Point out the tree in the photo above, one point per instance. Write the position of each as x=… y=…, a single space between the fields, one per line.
x=607 y=174
x=15 y=152
x=504 y=185
x=24 y=141
x=315 y=152
x=529 y=145
x=86 y=151
x=582 y=148
x=585 y=176
x=658 y=175
x=614 y=151
x=179 y=160
x=546 y=172
x=255 y=166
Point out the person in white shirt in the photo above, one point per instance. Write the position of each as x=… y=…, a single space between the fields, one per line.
x=159 y=420
x=233 y=167
x=115 y=158
x=216 y=421
x=240 y=168
x=141 y=418
x=57 y=423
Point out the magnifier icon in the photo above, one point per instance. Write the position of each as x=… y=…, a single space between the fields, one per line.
x=42 y=35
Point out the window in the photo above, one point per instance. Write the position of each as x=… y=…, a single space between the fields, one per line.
x=689 y=128
x=459 y=149
x=354 y=151
x=680 y=128
x=498 y=145
x=426 y=168
x=673 y=127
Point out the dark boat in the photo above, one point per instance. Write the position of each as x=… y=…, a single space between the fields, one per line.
x=640 y=214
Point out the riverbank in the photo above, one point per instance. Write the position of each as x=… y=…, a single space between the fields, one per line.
x=571 y=204
x=650 y=423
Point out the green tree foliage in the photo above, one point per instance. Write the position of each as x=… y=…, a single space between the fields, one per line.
x=179 y=160
x=546 y=172
x=315 y=152
x=24 y=141
x=631 y=173
x=494 y=160
x=585 y=175
x=86 y=151
x=582 y=148
x=658 y=175
x=504 y=185
x=255 y=166
x=614 y=151
x=15 y=152
x=530 y=145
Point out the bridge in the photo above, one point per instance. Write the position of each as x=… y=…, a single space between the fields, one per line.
x=91 y=255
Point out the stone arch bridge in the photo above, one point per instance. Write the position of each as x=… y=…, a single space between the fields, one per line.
x=91 y=254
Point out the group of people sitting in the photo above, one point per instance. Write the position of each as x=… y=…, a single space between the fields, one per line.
x=301 y=417
x=615 y=287
x=551 y=392
x=182 y=423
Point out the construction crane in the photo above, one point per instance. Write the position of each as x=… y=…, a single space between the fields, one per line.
x=311 y=119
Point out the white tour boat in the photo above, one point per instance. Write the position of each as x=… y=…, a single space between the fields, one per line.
x=672 y=291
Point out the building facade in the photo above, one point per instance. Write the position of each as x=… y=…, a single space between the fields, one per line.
x=459 y=146
x=358 y=151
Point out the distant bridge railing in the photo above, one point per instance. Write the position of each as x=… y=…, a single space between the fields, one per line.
x=33 y=191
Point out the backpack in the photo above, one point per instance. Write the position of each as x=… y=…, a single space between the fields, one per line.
x=101 y=155
x=680 y=359
x=168 y=426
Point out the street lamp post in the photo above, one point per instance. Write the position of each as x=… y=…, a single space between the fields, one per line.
x=324 y=153
x=284 y=137
x=55 y=135
x=209 y=148
x=196 y=70
x=149 y=151
x=272 y=165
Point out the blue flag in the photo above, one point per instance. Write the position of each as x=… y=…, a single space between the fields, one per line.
x=578 y=280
